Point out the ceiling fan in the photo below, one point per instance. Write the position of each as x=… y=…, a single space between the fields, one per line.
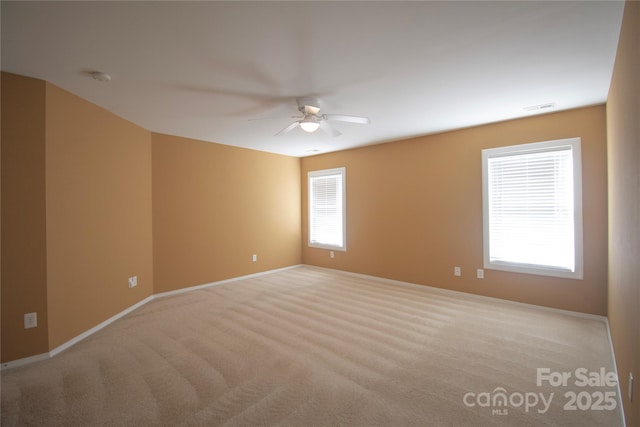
x=311 y=119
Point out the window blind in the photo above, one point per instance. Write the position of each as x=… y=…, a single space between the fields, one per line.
x=326 y=208
x=531 y=208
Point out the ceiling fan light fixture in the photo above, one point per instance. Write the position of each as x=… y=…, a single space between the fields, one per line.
x=309 y=124
x=311 y=119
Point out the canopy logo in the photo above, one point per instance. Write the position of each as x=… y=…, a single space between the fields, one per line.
x=500 y=401
x=594 y=398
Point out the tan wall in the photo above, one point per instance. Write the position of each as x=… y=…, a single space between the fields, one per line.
x=414 y=211
x=214 y=206
x=98 y=174
x=623 y=127
x=24 y=258
x=78 y=218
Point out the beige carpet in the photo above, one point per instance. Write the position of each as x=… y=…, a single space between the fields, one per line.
x=311 y=347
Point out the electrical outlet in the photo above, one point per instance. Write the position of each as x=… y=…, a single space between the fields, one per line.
x=480 y=273
x=133 y=281
x=331 y=254
x=457 y=271
x=30 y=320
x=630 y=386
x=254 y=257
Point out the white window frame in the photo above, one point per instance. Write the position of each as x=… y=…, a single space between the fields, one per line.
x=323 y=173
x=574 y=145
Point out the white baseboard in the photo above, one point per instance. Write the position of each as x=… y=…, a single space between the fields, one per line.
x=222 y=282
x=96 y=328
x=75 y=340
x=451 y=292
x=25 y=361
x=39 y=357
x=615 y=369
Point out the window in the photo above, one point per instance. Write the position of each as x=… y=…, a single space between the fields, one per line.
x=532 y=208
x=327 y=209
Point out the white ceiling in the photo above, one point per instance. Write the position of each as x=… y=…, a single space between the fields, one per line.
x=203 y=69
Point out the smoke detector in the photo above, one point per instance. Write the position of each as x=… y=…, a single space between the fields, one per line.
x=100 y=76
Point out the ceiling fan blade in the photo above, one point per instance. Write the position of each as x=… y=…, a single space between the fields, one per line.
x=287 y=129
x=350 y=119
x=329 y=130
x=253 y=119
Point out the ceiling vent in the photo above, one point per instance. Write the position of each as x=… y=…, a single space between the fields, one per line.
x=541 y=107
